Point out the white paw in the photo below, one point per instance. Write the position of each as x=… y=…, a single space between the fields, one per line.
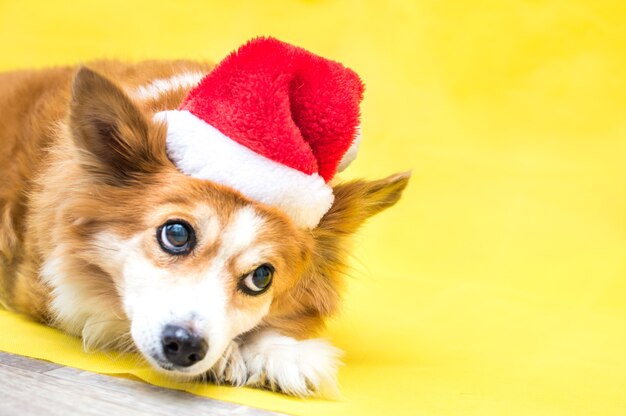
x=300 y=368
x=231 y=367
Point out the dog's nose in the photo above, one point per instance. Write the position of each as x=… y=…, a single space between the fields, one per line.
x=182 y=347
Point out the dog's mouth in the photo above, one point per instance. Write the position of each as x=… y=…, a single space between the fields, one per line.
x=175 y=350
x=161 y=364
x=164 y=365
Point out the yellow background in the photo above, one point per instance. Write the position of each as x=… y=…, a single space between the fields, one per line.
x=498 y=284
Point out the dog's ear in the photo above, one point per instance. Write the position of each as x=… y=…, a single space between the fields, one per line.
x=354 y=203
x=112 y=133
x=358 y=200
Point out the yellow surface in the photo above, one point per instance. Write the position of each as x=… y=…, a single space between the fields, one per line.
x=498 y=285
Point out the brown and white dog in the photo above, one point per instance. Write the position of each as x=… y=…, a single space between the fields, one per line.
x=90 y=204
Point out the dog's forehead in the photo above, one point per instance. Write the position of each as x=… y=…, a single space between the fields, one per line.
x=242 y=230
x=234 y=232
x=233 y=229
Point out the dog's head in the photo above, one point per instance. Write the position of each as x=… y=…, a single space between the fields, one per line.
x=194 y=264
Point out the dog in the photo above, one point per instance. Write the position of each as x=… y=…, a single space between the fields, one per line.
x=103 y=238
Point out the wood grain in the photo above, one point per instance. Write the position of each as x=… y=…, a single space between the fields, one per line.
x=33 y=387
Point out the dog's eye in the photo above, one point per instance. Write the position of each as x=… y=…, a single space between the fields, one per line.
x=176 y=237
x=257 y=281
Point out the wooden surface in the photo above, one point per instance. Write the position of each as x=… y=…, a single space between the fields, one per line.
x=34 y=387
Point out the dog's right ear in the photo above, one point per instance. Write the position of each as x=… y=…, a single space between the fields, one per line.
x=117 y=142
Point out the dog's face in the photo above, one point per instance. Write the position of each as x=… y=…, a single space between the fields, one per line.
x=195 y=264
x=203 y=268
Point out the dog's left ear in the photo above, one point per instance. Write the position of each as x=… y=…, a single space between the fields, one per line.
x=354 y=203
x=111 y=131
x=359 y=200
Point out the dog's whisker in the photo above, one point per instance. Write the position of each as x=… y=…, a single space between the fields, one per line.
x=104 y=321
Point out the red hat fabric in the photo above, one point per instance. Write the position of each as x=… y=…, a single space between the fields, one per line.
x=273 y=121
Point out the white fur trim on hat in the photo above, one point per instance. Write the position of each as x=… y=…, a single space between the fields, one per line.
x=350 y=155
x=200 y=150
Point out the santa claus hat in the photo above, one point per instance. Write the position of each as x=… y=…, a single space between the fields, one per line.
x=274 y=122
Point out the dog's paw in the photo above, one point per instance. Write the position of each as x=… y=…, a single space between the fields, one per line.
x=230 y=368
x=300 y=368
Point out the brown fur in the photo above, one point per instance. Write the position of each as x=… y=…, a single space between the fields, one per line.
x=81 y=157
